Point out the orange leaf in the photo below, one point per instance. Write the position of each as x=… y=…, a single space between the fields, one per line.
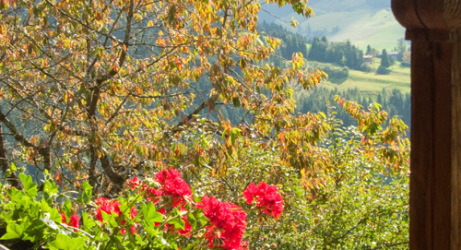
x=58 y=179
x=177 y=151
x=161 y=42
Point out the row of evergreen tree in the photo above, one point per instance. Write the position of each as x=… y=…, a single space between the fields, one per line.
x=291 y=42
x=340 y=53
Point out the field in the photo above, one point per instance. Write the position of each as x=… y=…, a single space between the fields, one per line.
x=370 y=84
x=379 y=29
x=341 y=20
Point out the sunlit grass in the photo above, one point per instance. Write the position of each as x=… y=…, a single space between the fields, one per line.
x=370 y=83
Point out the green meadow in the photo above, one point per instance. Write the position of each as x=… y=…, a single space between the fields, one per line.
x=370 y=83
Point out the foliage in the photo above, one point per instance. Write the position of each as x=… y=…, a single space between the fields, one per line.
x=161 y=223
x=106 y=89
x=98 y=96
x=291 y=42
x=357 y=199
x=406 y=59
x=401 y=48
x=335 y=74
x=320 y=99
x=342 y=53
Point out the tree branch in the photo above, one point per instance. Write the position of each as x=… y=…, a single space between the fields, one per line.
x=12 y=178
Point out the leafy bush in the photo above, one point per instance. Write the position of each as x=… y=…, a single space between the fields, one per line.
x=352 y=193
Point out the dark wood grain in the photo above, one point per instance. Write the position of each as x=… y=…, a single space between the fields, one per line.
x=434 y=27
x=456 y=152
x=421 y=178
x=442 y=56
x=405 y=13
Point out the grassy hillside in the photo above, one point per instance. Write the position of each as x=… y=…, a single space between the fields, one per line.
x=379 y=29
x=369 y=83
x=362 y=22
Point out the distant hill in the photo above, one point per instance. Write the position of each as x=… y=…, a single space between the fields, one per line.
x=362 y=22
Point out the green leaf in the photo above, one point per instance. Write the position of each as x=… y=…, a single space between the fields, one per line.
x=67 y=208
x=110 y=218
x=29 y=186
x=88 y=222
x=203 y=219
x=177 y=220
x=192 y=220
x=87 y=194
x=150 y=214
x=64 y=242
x=50 y=188
x=235 y=132
x=7 y=216
x=13 y=231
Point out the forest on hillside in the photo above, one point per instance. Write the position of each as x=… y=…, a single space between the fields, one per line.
x=135 y=124
x=319 y=99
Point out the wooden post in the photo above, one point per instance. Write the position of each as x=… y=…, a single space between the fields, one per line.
x=435 y=179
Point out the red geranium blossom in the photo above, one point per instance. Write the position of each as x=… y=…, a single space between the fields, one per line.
x=133 y=183
x=133 y=214
x=107 y=206
x=73 y=221
x=227 y=223
x=153 y=194
x=132 y=229
x=172 y=185
x=187 y=227
x=267 y=198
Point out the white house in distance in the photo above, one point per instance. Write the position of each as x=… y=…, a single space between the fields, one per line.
x=368 y=59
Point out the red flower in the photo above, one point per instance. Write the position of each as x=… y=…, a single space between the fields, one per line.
x=187 y=227
x=133 y=183
x=73 y=222
x=133 y=212
x=107 y=206
x=267 y=198
x=162 y=211
x=153 y=195
x=133 y=229
x=172 y=185
x=227 y=223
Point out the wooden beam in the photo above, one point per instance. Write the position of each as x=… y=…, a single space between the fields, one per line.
x=435 y=179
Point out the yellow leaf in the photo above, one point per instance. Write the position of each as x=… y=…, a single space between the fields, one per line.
x=137 y=17
x=161 y=42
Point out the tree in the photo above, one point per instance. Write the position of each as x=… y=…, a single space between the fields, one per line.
x=383 y=68
x=318 y=49
x=107 y=88
x=406 y=59
x=401 y=48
